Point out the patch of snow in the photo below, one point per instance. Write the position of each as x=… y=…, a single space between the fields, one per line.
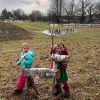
x=53 y=24
x=47 y=32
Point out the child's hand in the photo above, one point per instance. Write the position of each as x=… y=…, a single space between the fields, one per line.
x=22 y=59
x=57 y=74
x=17 y=59
x=54 y=46
x=18 y=64
x=66 y=60
x=19 y=69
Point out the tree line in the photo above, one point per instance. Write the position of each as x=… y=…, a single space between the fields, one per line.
x=61 y=11
x=75 y=11
x=19 y=14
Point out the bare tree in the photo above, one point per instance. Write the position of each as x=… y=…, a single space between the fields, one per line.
x=97 y=14
x=83 y=7
x=5 y=14
x=17 y=14
x=51 y=16
x=56 y=9
x=70 y=10
x=91 y=12
x=35 y=16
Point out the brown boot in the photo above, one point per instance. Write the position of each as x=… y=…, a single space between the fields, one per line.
x=56 y=90
x=30 y=82
x=17 y=92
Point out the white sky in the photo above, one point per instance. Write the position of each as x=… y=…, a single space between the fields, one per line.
x=26 y=5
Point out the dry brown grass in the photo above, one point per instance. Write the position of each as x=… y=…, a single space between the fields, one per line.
x=83 y=68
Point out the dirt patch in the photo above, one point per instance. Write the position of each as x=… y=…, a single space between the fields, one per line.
x=12 y=32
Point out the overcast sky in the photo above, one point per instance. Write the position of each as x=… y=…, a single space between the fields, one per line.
x=26 y=5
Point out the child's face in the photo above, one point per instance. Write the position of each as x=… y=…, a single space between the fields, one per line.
x=25 y=48
x=58 y=49
x=61 y=47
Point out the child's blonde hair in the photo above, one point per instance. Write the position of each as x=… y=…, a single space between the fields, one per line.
x=25 y=44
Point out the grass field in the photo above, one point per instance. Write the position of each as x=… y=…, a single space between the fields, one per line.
x=83 y=68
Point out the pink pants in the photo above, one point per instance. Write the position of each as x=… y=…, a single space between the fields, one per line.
x=21 y=81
